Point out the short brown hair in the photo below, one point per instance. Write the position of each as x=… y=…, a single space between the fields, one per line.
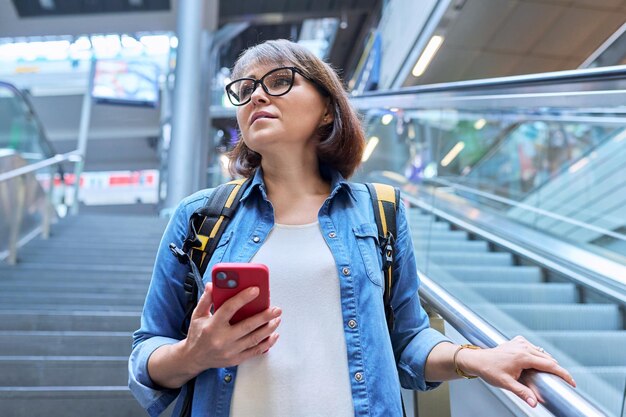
x=341 y=142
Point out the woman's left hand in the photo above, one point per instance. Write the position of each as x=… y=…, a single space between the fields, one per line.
x=503 y=366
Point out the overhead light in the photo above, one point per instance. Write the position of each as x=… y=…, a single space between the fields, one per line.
x=343 y=24
x=135 y=3
x=454 y=152
x=427 y=56
x=369 y=148
x=386 y=119
x=47 y=4
x=480 y=123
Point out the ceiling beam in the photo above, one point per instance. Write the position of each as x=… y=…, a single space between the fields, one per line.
x=289 y=17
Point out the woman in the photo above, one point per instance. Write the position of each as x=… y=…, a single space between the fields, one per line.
x=300 y=139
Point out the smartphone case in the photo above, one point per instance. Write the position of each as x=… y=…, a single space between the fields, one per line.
x=246 y=275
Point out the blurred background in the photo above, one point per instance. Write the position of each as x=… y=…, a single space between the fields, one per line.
x=503 y=122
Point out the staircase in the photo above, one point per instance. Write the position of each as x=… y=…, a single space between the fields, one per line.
x=67 y=313
x=588 y=339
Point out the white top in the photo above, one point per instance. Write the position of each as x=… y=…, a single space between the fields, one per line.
x=305 y=374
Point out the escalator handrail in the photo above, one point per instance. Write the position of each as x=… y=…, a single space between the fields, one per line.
x=609 y=291
x=560 y=399
x=44 y=141
x=73 y=156
x=542 y=79
x=528 y=207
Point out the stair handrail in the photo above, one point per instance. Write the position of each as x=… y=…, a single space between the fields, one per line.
x=19 y=174
x=559 y=398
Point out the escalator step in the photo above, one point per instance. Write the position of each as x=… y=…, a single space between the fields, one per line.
x=564 y=316
x=521 y=293
x=521 y=274
x=424 y=227
x=614 y=375
x=436 y=235
x=446 y=258
x=591 y=347
x=455 y=246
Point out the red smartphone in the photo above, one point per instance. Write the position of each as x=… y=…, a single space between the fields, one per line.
x=231 y=278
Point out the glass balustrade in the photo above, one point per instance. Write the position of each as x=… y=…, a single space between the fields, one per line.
x=527 y=159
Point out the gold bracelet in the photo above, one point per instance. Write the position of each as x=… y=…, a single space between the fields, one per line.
x=456 y=365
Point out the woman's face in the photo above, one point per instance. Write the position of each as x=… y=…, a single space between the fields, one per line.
x=284 y=123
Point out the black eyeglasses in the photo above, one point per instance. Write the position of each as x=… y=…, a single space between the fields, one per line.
x=277 y=82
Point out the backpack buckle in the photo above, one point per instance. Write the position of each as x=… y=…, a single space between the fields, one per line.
x=387 y=247
x=179 y=254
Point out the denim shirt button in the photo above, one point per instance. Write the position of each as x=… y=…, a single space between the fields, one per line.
x=346 y=271
x=358 y=376
x=256 y=239
x=352 y=324
x=332 y=235
x=228 y=378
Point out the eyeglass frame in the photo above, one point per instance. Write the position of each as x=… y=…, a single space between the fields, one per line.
x=260 y=81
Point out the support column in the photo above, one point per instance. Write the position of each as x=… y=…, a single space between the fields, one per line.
x=184 y=154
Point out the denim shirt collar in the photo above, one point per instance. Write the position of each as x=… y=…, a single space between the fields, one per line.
x=337 y=183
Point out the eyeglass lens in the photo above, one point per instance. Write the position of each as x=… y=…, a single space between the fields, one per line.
x=275 y=83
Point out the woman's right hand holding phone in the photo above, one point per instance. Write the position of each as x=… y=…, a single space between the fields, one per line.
x=212 y=342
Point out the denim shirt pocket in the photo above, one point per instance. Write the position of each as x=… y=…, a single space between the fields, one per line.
x=367 y=241
x=218 y=255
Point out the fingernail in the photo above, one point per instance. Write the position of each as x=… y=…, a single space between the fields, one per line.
x=531 y=401
x=573 y=382
x=254 y=291
x=276 y=311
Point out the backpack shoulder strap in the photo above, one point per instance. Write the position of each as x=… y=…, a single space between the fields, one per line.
x=385 y=201
x=208 y=223
x=206 y=226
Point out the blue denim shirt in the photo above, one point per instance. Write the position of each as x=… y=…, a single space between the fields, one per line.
x=377 y=363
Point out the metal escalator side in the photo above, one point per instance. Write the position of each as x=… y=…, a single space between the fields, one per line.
x=527 y=234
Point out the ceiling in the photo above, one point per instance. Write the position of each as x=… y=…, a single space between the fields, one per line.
x=269 y=19
x=496 y=38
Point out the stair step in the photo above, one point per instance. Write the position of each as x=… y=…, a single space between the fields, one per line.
x=70 y=276
x=99 y=401
x=65 y=343
x=484 y=273
x=20 y=299
x=108 y=251
x=77 y=258
x=113 y=321
x=96 y=246
x=95 y=267
x=73 y=287
x=62 y=370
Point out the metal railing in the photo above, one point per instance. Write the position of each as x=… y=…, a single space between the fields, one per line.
x=559 y=398
x=19 y=175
